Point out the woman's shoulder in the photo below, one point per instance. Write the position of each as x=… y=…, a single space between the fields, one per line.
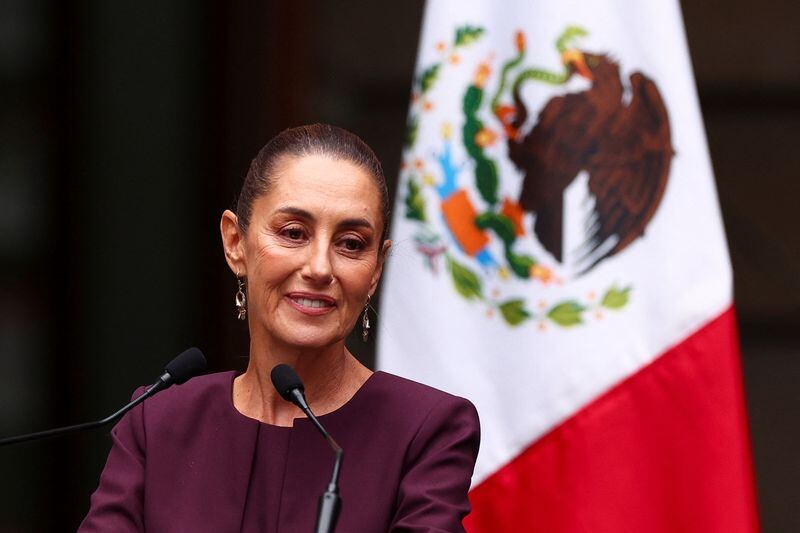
x=197 y=387
x=198 y=395
x=400 y=387
x=423 y=420
x=410 y=400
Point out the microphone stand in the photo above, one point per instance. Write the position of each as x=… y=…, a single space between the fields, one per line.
x=330 y=502
x=163 y=382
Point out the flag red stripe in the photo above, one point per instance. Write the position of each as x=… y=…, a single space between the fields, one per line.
x=665 y=450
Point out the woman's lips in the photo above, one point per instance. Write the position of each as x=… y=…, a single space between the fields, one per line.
x=311 y=304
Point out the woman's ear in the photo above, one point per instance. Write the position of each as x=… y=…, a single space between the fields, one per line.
x=233 y=242
x=382 y=255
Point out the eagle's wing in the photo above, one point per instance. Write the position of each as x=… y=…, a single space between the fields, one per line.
x=628 y=173
x=552 y=153
x=550 y=156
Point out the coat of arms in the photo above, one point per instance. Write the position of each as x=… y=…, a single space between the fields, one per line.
x=613 y=134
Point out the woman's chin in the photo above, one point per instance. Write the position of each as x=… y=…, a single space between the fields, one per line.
x=312 y=338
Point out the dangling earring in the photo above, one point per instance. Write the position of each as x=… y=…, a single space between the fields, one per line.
x=365 y=322
x=241 y=299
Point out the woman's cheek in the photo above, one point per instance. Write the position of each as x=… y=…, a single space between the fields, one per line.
x=356 y=271
x=267 y=249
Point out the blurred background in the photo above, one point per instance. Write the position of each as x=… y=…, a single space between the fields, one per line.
x=127 y=127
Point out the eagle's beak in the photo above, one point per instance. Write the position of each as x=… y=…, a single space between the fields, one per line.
x=578 y=60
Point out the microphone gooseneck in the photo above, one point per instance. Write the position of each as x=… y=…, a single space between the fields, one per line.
x=290 y=387
x=185 y=366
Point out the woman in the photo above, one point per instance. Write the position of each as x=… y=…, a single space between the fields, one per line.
x=224 y=452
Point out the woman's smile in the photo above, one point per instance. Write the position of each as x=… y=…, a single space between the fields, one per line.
x=311 y=304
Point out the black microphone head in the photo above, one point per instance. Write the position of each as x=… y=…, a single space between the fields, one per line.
x=285 y=380
x=186 y=365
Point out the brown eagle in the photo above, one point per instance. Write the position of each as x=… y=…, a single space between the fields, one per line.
x=621 y=140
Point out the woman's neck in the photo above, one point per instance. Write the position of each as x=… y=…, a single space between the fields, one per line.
x=331 y=377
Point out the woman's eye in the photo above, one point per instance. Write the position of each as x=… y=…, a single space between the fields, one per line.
x=353 y=245
x=294 y=234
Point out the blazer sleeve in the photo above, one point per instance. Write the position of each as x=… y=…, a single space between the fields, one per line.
x=117 y=504
x=432 y=496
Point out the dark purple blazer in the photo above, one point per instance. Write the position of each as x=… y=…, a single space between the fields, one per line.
x=183 y=462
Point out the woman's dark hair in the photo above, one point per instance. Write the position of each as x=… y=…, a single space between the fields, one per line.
x=312 y=139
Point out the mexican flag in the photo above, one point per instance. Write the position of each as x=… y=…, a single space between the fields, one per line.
x=559 y=259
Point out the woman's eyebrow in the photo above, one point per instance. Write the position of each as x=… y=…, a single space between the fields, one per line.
x=355 y=222
x=296 y=211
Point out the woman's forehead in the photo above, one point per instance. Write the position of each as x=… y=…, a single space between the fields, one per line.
x=322 y=183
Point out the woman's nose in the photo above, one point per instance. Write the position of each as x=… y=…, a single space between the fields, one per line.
x=318 y=267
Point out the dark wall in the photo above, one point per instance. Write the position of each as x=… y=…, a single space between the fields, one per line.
x=746 y=62
x=105 y=122
x=126 y=128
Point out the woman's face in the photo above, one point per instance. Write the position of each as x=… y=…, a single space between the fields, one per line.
x=312 y=252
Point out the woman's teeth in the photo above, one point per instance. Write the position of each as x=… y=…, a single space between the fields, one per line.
x=307 y=302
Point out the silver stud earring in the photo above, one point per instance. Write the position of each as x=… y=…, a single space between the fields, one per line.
x=241 y=299
x=365 y=322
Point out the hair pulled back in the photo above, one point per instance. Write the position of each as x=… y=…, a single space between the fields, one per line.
x=311 y=139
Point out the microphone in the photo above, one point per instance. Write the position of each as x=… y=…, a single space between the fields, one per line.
x=185 y=366
x=188 y=364
x=290 y=387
